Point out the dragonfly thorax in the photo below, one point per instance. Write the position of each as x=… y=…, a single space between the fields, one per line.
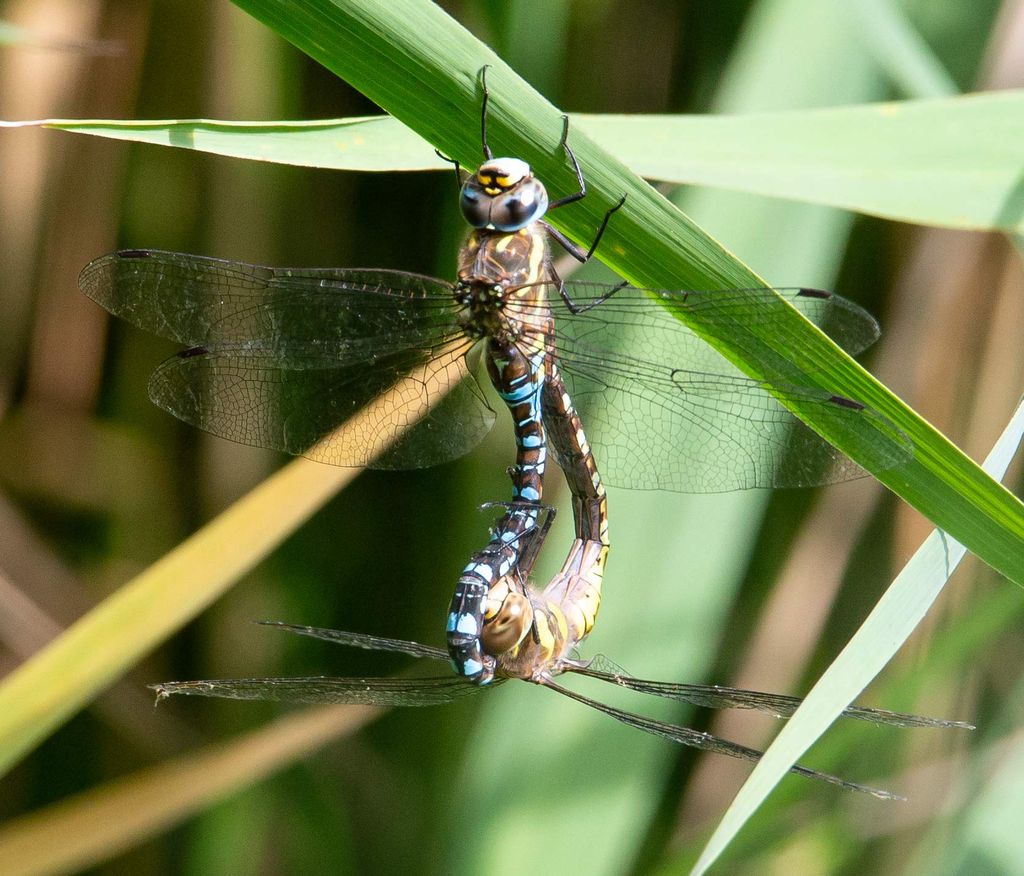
x=484 y=313
x=503 y=195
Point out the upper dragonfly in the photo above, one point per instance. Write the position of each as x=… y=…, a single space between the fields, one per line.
x=282 y=357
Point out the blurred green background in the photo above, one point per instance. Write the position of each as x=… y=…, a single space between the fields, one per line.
x=751 y=590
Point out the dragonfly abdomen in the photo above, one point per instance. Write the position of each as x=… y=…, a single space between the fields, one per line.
x=493 y=268
x=577 y=587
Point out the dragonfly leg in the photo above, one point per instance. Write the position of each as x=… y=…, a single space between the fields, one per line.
x=529 y=553
x=455 y=163
x=551 y=510
x=578 y=252
x=573 y=664
x=571 y=305
x=573 y=250
x=488 y=155
x=534 y=536
x=580 y=194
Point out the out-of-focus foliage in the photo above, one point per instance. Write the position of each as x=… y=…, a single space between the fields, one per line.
x=95 y=485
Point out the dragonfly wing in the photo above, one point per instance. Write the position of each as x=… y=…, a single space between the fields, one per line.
x=776 y=705
x=659 y=420
x=605 y=312
x=361 y=640
x=201 y=301
x=709 y=433
x=707 y=742
x=408 y=409
x=318 y=689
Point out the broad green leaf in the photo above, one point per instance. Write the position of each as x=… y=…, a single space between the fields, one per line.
x=81 y=831
x=893 y=619
x=946 y=162
x=420 y=65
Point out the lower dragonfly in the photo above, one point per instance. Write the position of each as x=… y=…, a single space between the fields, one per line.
x=545 y=628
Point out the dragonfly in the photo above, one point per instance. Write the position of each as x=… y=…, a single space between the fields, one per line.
x=438 y=690
x=283 y=357
x=534 y=638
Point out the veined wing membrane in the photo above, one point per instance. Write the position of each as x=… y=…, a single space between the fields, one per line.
x=363 y=640
x=394 y=691
x=202 y=301
x=676 y=415
x=776 y=705
x=398 y=691
x=707 y=742
x=246 y=395
x=323 y=689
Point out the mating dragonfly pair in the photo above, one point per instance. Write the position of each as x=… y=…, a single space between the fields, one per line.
x=372 y=368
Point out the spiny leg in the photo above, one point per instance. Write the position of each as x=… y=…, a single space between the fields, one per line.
x=488 y=155
x=536 y=536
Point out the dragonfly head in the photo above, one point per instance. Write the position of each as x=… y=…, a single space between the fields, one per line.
x=503 y=195
x=509 y=625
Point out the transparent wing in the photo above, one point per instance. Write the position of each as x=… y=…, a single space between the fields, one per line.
x=322 y=689
x=287 y=356
x=248 y=396
x=707 y=742
x=777 y=705
x=665 y=411
x=201 y=301
x=361 y=640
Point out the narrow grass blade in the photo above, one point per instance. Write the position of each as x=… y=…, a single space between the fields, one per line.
x=889 y=625
x=85 y=830
x=889 y=34
x=946 y=162
x=40 y=695
x=370 y=143
x=43 y=693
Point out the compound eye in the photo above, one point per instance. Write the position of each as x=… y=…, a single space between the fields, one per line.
x=519 y=207
x=474 y=205
x=509 y=626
